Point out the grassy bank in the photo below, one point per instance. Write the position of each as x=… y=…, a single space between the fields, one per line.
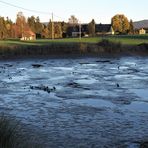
x=13 y=135
x=75 y=46
x=10 y=133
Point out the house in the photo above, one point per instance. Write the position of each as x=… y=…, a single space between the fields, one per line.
x=141 y=27
x=142 y=31
x=84 y=30
x=73 y=31
x=28 y=35
x=102 y=29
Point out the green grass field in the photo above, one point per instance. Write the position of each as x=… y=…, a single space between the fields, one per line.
x=124 y=39
x=129 y=39
x=49 y=41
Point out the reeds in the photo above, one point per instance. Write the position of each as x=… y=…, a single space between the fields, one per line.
x=12 y=134
x=9 y=133
x=104 y=46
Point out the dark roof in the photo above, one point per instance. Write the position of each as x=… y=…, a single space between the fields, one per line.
x=84 y=28
x=73 y=28
x=103 y=27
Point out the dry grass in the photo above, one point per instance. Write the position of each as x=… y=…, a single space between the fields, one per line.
x=9 y=133
x=12 y=134
x=68 y=48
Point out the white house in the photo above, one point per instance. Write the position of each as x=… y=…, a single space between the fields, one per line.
x=142 y=31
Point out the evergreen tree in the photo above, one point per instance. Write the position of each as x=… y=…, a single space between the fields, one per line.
x=64 y=27
x=92 y=28
x=9 y=25
x=32 y=23
x=131 y=27
x=49 y=26
x=38 y=26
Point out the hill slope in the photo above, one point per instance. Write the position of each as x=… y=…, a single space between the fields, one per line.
x=141 y=24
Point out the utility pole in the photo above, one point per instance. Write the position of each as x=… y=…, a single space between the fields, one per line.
x=52 y=27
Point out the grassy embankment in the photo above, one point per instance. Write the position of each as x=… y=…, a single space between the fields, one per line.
x=14 y=135
x=9 y=136
x=66 y=46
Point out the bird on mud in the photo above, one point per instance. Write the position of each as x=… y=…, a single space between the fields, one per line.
x=117 y=85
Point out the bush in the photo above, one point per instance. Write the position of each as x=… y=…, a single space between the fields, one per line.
x=109 y=46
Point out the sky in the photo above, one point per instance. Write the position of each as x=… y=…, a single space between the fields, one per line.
x=85 y=10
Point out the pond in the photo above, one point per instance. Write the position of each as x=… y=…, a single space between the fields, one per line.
x=81 y=102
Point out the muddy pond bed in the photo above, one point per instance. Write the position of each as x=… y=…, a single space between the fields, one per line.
x=82 y=102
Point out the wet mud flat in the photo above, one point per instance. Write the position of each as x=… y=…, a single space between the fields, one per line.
x=82 y=102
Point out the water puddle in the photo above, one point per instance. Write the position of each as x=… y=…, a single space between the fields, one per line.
x=86 y=81
x=63 y=68
x=138 y=107
x=97 y=103
x=142 y=93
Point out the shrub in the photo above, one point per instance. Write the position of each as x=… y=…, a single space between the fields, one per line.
x=110 y=46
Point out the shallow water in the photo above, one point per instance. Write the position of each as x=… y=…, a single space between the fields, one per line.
x=95 y=104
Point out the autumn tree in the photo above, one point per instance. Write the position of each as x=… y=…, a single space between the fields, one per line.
x=58 y=30
x=3 y=29
x=21 y=24
x=45 y=32
x=120 y=24
x=91 y=28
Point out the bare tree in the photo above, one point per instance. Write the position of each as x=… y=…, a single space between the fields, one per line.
x=73 y=20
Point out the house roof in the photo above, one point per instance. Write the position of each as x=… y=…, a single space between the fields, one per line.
x=141 y=24
x=29 y=33
x=27 y=30
x=103 y=27
x=84 y=27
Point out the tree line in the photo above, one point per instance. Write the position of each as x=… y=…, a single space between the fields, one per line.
x=9 y=29
x=22 y=26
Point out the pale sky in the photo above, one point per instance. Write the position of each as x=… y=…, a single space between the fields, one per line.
x=84 y=10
